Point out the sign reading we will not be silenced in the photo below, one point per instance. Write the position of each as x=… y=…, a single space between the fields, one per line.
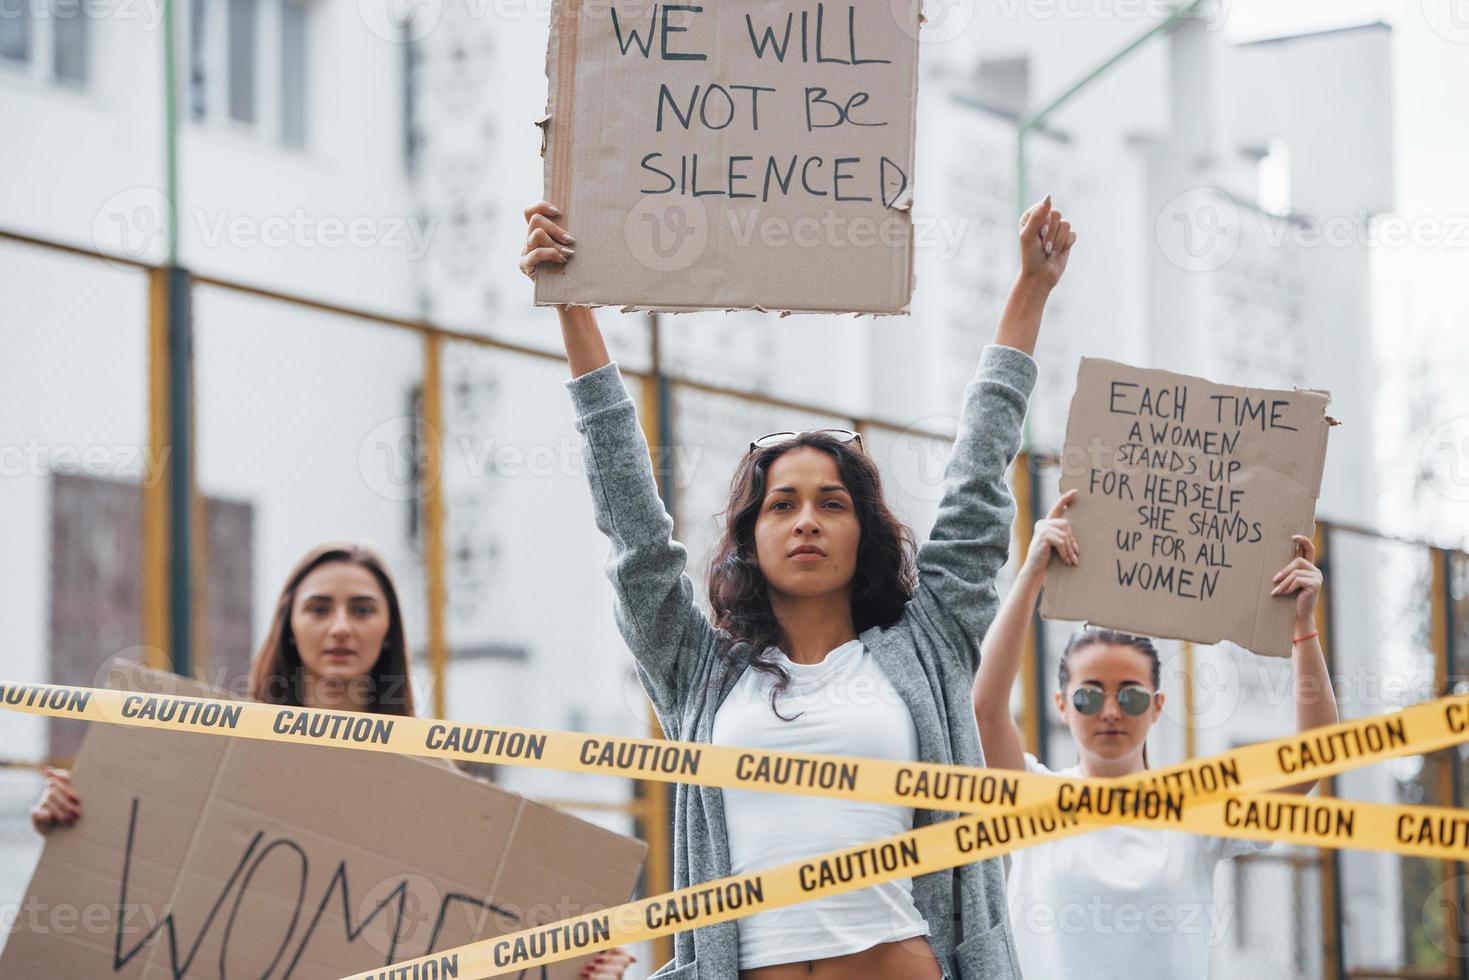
x=1188 y=494
x=745 y=154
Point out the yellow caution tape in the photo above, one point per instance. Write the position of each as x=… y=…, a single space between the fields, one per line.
x=933 y=848
x=1221 y=795
x=1238 y=811
x=1156 y=795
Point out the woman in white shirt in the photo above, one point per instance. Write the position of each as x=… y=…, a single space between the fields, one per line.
x=829 y=633
x=1120 y=902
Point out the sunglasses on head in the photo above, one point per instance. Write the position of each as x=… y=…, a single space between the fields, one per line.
x=780 y=438
x=1133 y=700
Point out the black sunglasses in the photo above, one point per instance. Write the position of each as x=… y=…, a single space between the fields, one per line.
x=1133 y=700
x=778 y=438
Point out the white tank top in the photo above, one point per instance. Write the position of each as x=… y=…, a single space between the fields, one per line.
x=1120 y=903
x=847 y=706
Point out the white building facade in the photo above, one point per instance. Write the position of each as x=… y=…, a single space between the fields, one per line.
x=329 y=151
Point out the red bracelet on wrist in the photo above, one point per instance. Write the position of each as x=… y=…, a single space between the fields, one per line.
x=1303 y=639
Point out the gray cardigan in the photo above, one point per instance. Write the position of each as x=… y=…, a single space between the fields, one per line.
x=930 y=655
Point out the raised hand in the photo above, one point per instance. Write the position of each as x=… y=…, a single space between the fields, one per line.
x=1045 y=242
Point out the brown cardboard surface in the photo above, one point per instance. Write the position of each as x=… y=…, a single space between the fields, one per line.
x=1186 y=507
x=237 y=858
x=651 y=234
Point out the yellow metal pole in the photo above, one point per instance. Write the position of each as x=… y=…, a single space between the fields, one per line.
x=653 y=811
x=1190 y=726
x=1030 y=716
x=1333 y=968
x=432 y=455
x=652 y=798
x=199 y=551
x=155 y=611
x=1440 y=638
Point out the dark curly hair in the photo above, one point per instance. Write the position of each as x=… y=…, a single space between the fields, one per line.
x=882 y=583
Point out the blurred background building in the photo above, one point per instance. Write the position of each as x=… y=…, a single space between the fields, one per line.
x=347 y=204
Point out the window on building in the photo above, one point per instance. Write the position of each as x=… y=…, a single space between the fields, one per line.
x=293 y=73
x=198 y=57
x=1274 y=178
x=411 y=57
x=54 y=46
x=248 y=64
x=244 y=18
x=15 y=31
x=69 y=41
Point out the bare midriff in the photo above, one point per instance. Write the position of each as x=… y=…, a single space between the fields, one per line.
x=909 y=959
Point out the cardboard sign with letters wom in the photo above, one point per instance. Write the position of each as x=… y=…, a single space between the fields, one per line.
x=746 y=154
x=207 y=858
x=1189 y=493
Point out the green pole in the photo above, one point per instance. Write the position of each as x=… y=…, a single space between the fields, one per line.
x=1023 y=127
x=180 y=383
x=170 y=133
x=1455 y=912
x=1034 y=119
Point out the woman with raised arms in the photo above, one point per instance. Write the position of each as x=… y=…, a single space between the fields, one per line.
x=830 y=633
x=1068 y=897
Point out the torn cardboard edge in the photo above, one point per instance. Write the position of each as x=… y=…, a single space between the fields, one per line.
x=780 y=313
x=1210 y=582
x=558 y=121
x=169 y=813
x=557 y=126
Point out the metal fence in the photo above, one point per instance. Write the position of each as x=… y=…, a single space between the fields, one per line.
x=169 y=363
x=1393 y=621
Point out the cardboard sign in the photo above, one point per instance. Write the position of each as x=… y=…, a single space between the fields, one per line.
x=753 y=154
x=206 y=858
x=1189 y=493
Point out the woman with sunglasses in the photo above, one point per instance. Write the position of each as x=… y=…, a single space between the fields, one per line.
x=1070 y=898
x=828 y=635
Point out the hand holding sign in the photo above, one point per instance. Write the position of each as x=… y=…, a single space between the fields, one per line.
x=1187 y=492
x=545 y=241
x=216 y=857
x=610 y=965
x=1301 y=577
x=1053 y=536
x=59 y=805
x=754 y=154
